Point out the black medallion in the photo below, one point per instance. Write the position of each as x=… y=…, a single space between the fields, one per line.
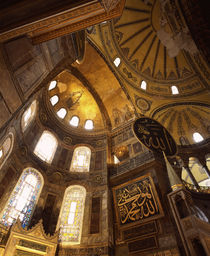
x=154 y=136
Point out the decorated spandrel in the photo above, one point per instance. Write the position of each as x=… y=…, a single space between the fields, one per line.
x=137 y=201
x=154 y=136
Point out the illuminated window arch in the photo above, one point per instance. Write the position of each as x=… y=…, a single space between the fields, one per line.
x=54 y=100
x=143 y=85
x=23 y=199
x=6 y=148
x=71 y=215
x=89 y=124
x=52 y=85
x=117 y=61
x=46 y=147
x=197 y=137
x=28 y=115
x=74 y=121
x=61 y=113
x=174 y=89
x=81 y=160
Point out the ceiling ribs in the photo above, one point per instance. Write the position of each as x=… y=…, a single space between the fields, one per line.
x=131 y=23
x=148 y=51
x=136 y=10
x=156 y=55
x=177 y=67
x=165 y=63
x=135 y=34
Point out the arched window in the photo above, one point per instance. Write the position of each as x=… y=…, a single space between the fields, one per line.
x=143 y=85
x=74 y=121
x=46 y=147
x=52 y=85
x=117 y=61
x=81 y=160
x=62 y=113
x=89 y=125
x=197 y=137
x=6 y=148
x=71 y=215
x=23 y=199
x=174 y=90
x=28 y=115
x=54 y=100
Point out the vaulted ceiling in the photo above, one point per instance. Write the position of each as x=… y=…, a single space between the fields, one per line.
x=154 y=45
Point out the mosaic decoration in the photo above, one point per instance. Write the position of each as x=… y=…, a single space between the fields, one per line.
x=72 y=215
x=136 y=201
x=154 y=136
x=22 y=202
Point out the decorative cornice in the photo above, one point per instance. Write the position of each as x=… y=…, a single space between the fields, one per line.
x=63 y=23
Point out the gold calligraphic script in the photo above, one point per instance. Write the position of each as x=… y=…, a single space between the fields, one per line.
x=154 y=136
x=137 y=201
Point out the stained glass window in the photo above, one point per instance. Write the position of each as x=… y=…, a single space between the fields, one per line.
x=6 y=148
x=28 y=115
x=46 y=147
x=71 y=216
x=81 y=160
x=23 y=198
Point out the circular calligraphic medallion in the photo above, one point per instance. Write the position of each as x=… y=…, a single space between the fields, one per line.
x=154 y=136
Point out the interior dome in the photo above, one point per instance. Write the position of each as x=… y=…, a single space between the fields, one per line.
x=74 y=100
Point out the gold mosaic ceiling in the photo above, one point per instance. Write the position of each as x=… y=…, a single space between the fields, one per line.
x=154 y=44
x=92 y=93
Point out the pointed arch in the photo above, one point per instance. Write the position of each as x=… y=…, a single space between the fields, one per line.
x=71 y=215
x=23 y=198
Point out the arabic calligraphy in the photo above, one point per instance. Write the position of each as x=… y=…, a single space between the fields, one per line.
x=136 y=201
x=154 y=136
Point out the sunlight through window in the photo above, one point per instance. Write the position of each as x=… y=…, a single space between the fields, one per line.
x=116 y=160
x=72 y=212
x=62 y=113
x=174 y=90
x=23 y=198
x=71 y=215
x=74 y=121
x=197 y=137
x=89 y=125
x=46 y=147
x=117 y=61
x=143 y=85
x=81 y=159
x=54 y=99
x=28 y=115
x=6 y=148
x=52 y=85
